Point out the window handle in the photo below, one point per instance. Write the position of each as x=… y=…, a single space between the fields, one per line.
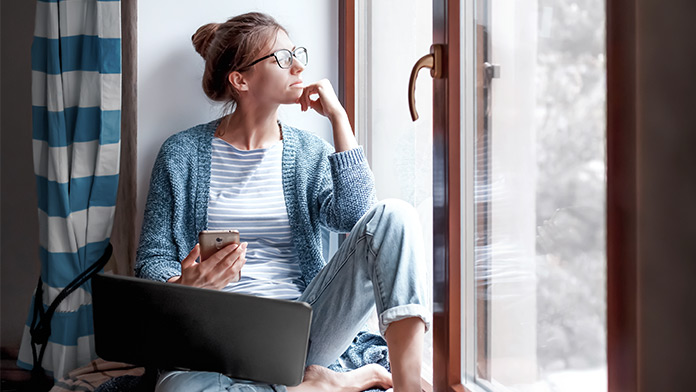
x=492 y=70
x=432 y=61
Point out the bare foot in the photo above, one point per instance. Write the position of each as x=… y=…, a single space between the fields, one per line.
x=321 y=379
x=372 y=375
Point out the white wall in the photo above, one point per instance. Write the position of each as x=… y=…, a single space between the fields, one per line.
x=170 y=97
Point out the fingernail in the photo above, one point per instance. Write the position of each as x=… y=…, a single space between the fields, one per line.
x=244 y=245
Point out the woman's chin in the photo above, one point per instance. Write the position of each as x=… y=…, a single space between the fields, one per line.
x=294 y=95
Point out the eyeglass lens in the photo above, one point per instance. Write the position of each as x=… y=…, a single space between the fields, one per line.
x=285 y=57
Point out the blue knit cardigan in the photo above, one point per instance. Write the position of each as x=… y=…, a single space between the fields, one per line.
x=321 y=188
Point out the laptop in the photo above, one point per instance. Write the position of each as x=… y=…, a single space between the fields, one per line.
x=175 y=327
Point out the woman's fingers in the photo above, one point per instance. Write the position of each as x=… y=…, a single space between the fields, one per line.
x=305 y=99
x=232 y=263
x=309 y=90
x=189 y=269
x=210 y=272
x=221 y=254
x=327 y=104
x=218 y=270
x=234 y=273
x=317 y=106
x=191 y=258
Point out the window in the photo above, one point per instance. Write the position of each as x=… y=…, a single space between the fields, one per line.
x=523 y=180
x=391 y=36
x=535 y=259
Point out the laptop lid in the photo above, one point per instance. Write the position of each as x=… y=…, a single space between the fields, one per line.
x=171 y=326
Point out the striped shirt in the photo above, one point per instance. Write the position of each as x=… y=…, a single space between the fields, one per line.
x=246 y=194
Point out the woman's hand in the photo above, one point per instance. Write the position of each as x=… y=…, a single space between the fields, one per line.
x=329 y=106
x=215 y=272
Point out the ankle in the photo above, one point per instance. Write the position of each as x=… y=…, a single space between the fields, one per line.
x=407 y=388
x=409 y=382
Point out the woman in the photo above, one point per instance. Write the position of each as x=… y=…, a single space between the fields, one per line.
x=278 y=185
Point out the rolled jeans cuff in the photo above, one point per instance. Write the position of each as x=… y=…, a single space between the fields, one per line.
x=403 y=312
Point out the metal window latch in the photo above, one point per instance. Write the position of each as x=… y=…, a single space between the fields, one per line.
x=432 y=61
x=492 y=70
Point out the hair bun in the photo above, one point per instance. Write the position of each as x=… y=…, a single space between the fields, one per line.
x=203 y=37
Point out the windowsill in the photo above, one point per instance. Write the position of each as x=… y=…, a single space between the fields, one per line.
x=425 y=386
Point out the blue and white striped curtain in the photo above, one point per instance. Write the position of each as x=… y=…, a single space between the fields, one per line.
x=76 y=109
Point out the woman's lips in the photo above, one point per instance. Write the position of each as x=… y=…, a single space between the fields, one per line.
x=297 y=84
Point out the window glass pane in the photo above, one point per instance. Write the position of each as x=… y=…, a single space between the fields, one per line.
x=539 y=195
x=391 y=36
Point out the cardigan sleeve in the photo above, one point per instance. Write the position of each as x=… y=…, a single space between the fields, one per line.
x=347 y=189
x=157 y=257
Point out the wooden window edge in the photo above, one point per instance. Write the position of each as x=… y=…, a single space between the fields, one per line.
x=346 y=58
x=621 y=202
x=459 y=388
x=426 y=386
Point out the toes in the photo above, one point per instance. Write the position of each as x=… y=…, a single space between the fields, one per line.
x=381 y=375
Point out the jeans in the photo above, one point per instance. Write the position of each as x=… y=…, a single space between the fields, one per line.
x=381 y=264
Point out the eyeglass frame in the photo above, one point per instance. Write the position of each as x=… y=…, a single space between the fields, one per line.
x=274 y=54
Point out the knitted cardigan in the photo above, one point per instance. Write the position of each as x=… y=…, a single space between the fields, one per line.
x=321 y=188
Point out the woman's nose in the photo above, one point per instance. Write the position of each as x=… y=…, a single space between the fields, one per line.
x=297 y=66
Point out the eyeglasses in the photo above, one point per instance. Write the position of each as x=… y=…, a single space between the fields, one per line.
x=284 y=57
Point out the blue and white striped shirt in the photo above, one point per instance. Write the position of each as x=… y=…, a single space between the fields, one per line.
x=246 y=194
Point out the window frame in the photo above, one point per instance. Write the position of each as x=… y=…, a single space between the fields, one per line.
x=622 y=214
x=447 y=285
x=622 y=191
x=347 y=80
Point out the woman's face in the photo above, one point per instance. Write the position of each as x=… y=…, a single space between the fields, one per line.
x=271 y=84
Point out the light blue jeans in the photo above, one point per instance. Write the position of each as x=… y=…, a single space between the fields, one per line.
x=381 y=264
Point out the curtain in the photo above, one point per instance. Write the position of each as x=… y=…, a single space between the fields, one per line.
x=76 y=114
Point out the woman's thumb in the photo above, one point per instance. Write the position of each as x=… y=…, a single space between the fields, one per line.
x=191 y=258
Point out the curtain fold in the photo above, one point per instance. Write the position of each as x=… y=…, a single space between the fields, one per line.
x=76 y=115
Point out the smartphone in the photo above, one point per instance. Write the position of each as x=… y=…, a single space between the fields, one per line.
x=213 y=240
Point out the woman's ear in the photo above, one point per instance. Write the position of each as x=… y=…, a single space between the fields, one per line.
x=238 y=81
